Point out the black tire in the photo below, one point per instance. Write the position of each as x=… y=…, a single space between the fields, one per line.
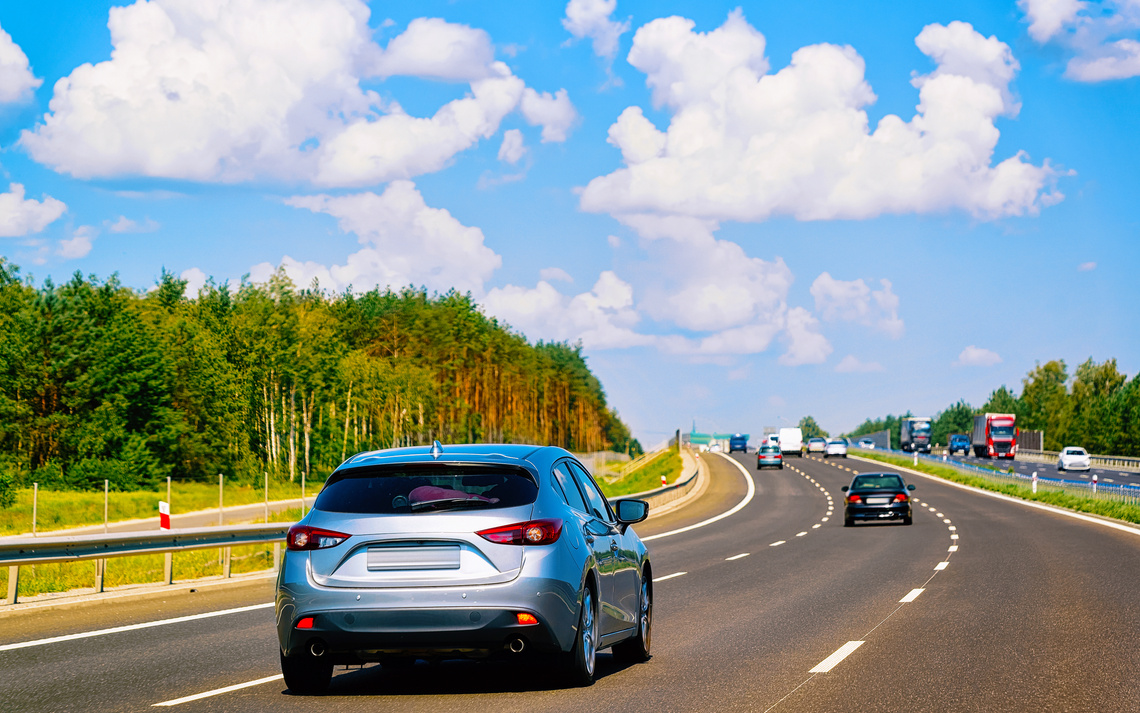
x=306 y=675
x=907 y=521
x=848 y=522
x=636 y=648
x=582 y=660
x=781 y=466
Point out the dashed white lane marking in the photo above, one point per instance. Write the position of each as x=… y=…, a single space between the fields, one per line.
x=815 y=526
x=951 y=528
x=736 y=557
x=716 y=518
x=669 y=576
x=778 y=543
x=946 y=520
x=912 y=596
x=133 y=627
x=953 y=548
x=832 y=661
x=219 y=691
x=801 y=534
x=824 y=520
x=941 y=565
x=953 y=537
x=939 y=514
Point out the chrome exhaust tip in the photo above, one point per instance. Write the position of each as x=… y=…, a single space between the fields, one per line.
x=317 y=648
x=516 y=645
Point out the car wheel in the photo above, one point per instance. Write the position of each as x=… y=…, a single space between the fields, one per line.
x=583 y=658
x=848 y=522
x=636 y=648
x=306 y=675
x=781 y=466
x=907 y=520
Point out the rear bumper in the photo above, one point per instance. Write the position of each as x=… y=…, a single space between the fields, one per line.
x=894 y=511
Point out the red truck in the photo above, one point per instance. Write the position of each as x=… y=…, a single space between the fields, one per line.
x=995 y=435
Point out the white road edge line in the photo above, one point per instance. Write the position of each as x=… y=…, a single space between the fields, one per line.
x=832 y=661
x=133 y=627
x=736 y=557
x=219 y=691
x=912 y=596
x=669 y=576
x=732 y=511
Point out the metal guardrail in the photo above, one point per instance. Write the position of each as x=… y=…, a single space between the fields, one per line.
x=669 y=493
x=1121 y=493
x=1101 y=461
x=42 y=550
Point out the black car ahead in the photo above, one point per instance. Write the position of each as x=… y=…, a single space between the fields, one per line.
x=877 y=496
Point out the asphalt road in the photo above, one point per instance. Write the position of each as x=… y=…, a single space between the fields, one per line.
x=1034 y=612
x=1112 y=476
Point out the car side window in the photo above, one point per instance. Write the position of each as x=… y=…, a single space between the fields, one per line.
x=598 y=505
x=570 y=492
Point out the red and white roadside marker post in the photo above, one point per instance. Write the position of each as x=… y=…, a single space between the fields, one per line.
x=1035 y=481
x=663 y=481
x=168 y=557
x=1094 y=483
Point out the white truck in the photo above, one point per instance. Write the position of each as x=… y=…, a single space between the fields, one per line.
x=791 y=441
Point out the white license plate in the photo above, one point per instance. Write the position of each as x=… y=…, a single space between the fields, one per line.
x=878 y=501
x=384 y=559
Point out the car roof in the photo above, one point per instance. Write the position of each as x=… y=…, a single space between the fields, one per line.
x=492 y=453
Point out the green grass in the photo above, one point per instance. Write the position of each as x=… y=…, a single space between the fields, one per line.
x=1104 y=508
x=143 y=569
x=62 y=509
x=645 y=478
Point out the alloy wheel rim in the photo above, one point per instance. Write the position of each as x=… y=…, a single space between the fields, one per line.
x=588 y=631
x=645 y=614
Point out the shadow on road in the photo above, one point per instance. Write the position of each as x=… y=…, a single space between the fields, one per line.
x=458 y=677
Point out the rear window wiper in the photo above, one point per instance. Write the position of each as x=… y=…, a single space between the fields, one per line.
x=443 y=503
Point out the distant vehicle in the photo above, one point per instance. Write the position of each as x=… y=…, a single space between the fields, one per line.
x=769 y=456
x=791 y=441
x=914 y=435
x=553 y=566
x=959 y=442
x=772 y=439
x=716 y=447
x=867 y=443
x=995 y=435
x=817 y=445
x=738 y=442
x=877 y=496
x=1074 y=458
x=835 y=447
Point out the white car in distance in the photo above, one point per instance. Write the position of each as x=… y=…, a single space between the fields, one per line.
x=835 y=447
x=1073 y=458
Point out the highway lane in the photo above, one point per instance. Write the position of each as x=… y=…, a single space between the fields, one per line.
x=1112 y=476
x=1010 y=620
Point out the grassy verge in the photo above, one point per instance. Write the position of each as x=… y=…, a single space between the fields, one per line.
x=144 y=569
x=646 y=478
x=1104 y=508
x=61 y=509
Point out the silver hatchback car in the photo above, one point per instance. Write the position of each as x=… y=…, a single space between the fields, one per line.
x=463 y=551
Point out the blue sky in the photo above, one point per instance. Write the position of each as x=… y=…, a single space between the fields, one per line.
x=746 y=212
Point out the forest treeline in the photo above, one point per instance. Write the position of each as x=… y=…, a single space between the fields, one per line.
x=1097 y=407
x=98 y=381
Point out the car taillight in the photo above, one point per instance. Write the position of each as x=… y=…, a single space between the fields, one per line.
x=854 y=499
x=901 y=498
x=533 y=532
x=303 y=537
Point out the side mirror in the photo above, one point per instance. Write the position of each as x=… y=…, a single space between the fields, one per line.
x=843 y=489
x=910 y=487
x=630 y=511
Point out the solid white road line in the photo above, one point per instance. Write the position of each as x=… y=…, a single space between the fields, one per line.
x=941 y=565
x=732 y=511
x=219 y=691
x=832 y=661
x=133 y=627
x=736 y=557
x=669 y=576
x=912 y=596
x=777 y=544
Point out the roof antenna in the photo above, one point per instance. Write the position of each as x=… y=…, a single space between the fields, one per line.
x=436 y=449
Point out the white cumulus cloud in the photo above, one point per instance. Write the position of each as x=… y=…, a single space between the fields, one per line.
x=126 y=225
x=745 y=144
x=406 y=242
x=851 y=364
x=16 y=79
x=602 y=318
x=22 y=216
x=79 y=244
x=977 y=356
x=195 y=281
x=805 y=344
x=854 y=301
x=1100 y=37
x=592 y=18
x=513 y=148
x=233 y=90
x=554 y=273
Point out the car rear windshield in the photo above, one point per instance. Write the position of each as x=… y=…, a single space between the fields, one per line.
x=392 y=491
x=877 y=481
x=770 y=449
